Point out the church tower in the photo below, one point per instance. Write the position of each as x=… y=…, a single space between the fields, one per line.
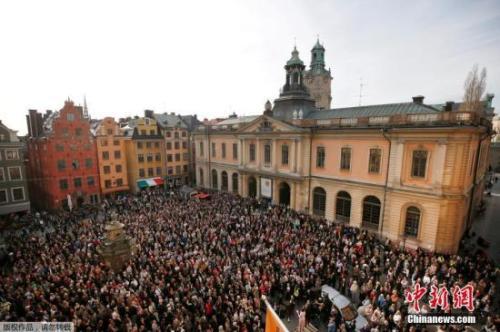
x=294 y=97
x=319 y=80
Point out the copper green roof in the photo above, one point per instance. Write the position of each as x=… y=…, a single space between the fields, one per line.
x=318 y=46
x=373 y=110
x=294 y=60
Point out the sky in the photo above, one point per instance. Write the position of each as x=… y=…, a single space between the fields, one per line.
x=213 y=58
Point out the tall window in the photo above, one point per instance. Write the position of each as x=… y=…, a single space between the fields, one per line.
x=235 y=183
x=213 y=149
x=201 y=149
x=88 y=162
x=61 y=164
x=371 y=211
x=345 y=158
x=223 y=150
x=412 y=221
x=77 y=182
x=252 y=152
x=224 y=184
x=169 y=147
x=235 y=151
x=419 y=163
x=105 y=155
x=374 y=164
x=319 y=201
x=267 y=154
x=214 y=179
x=201 y=177
x=284 y=154
x=15 y=173
x=11 y=155
x=63 y=184
x=18 y=194
x=320 y=157
x=343 y=205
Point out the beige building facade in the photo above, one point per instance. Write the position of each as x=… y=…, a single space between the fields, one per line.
x=411 y=172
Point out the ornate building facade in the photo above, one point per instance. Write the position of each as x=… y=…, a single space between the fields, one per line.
x=62 y=158
x=410 y=171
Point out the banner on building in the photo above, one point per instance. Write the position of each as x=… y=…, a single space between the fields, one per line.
x=266 y=187
x=273 y=322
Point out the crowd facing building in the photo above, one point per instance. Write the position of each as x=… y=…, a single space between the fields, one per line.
x=411 y=171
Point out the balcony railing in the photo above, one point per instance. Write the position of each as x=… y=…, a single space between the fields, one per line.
x=430 y=119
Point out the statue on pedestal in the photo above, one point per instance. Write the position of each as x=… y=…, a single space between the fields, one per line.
x=117 y=247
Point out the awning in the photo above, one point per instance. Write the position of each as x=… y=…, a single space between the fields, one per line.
x=201 y=196
x=151 y=182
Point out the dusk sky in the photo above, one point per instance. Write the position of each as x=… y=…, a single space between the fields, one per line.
x=213 y=58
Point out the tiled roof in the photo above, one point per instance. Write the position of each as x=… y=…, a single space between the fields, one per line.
x=169 y=120
x=373 y=110
x=238 y=120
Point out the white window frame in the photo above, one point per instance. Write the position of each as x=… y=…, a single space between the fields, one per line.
x=6 y=196
x=20 y=172
x=12 y=193
x=17 y=152
x=3 y=179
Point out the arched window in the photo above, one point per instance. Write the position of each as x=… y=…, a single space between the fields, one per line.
x=235 y=183
x=215 y=185
x=202 y=181
x=371 y=212
x=412 y=221
x=343 y=205
x=319 y=201
x=224 y=184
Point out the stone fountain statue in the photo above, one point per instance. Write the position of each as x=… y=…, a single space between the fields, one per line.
x=117 y=247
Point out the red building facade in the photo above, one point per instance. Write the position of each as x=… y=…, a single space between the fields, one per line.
x=62 y=155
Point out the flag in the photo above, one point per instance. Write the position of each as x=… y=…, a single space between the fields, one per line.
x=273 y=322
x=70 y=203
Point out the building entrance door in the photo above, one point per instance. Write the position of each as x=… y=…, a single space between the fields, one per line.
x=284 y=194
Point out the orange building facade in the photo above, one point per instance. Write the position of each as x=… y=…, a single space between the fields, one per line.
x=111 y=156
x=411 y=172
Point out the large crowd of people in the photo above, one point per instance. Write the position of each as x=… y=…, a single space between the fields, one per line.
x=205 y=265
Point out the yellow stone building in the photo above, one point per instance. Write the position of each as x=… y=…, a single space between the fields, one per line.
x=145 y=153
x=111 y=156
x=176 y=136
x=411 y=172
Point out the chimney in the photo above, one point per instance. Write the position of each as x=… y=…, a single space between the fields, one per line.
x=418 y=99
x=448 y=107
x=149 y=114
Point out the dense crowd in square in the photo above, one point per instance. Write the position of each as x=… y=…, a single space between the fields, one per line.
x=205 y=265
